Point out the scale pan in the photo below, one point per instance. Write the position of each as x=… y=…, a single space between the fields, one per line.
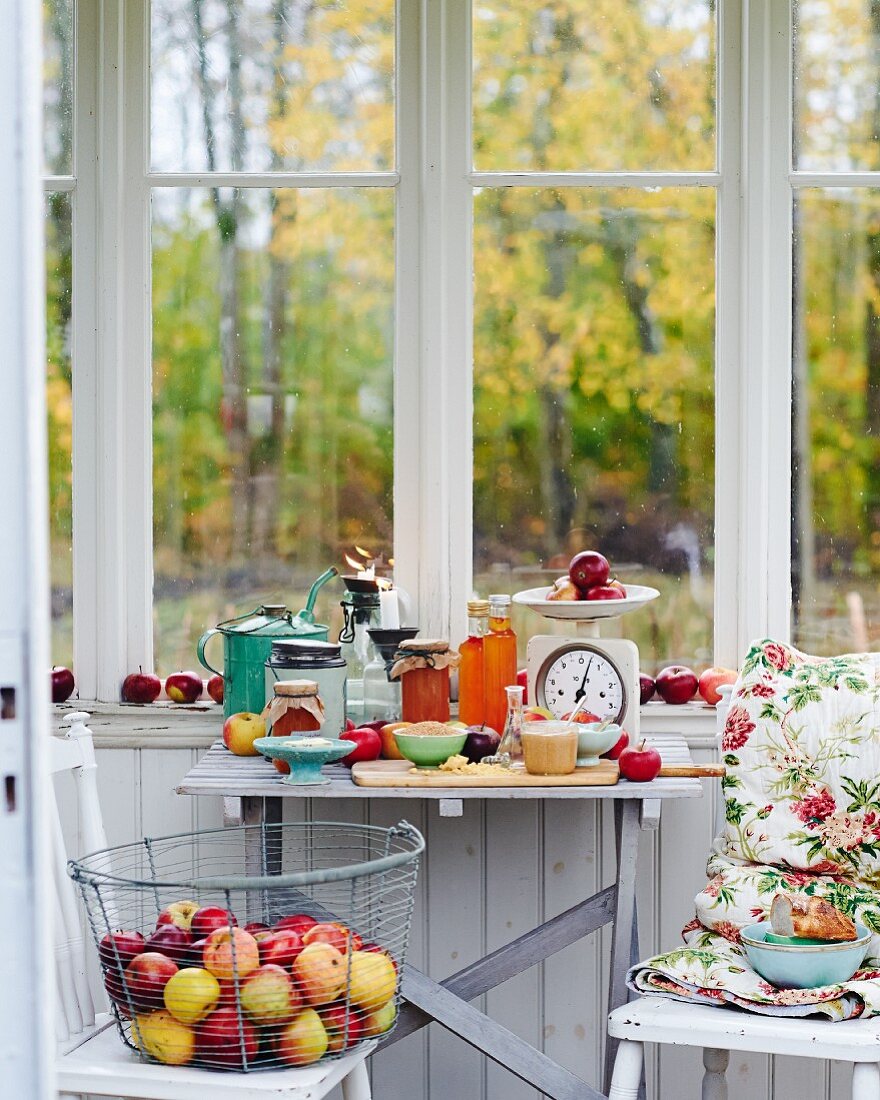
x=637 y=595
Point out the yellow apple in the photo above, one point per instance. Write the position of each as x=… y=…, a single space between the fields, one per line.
x=224 y=961
x=191 y=994
x=372 y=981
x=380 y=1020
x=457 y=725
x=320 y=970
x=535 y=714
x=390 y=751
x=269 y=996
x=304 y=1040
x=164 y=1038
x=241 y=730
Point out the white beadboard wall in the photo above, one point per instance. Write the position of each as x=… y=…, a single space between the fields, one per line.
x=487 y=877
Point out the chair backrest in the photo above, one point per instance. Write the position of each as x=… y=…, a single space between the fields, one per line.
x=73 y=751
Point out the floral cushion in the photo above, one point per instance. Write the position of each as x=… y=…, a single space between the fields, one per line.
x=802 y=748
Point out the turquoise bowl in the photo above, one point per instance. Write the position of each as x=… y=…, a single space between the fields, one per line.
x=429 y=752
x=306 y=758
x=804 y=966
x=593 y=741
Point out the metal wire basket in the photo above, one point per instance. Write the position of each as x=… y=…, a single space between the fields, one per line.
x=255 y=947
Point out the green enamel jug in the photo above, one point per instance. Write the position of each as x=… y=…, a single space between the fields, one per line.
x=247 y=643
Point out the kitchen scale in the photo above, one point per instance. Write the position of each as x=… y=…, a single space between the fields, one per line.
x=584 y=671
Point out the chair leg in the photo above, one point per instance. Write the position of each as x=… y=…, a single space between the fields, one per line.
x=627 y=1075
x=866 y=1081
x=714 y=1079
x=357 y=1085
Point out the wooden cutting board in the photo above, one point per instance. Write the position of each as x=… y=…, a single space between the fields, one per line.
x=400 y=773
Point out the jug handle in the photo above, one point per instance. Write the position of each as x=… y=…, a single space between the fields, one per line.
x=200 y=649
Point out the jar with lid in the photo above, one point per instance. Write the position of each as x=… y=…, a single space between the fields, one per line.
x=321 y=662
x=295 y=707
x=423 y=665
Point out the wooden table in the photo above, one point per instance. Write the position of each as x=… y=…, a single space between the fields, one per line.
x=252 y=792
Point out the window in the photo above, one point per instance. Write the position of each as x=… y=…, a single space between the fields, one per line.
x=469 y=284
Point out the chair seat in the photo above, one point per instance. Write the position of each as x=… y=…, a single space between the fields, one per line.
x=103 y=1065
x=660 y=1020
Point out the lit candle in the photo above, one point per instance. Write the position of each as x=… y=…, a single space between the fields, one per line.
x=389 y=609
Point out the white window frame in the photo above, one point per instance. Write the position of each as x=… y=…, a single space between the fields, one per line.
x=433 y=376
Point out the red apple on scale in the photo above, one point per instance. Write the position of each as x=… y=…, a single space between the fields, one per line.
x=640 y=764
x=588 y=569
x=141 y=687
x=183 y=687
x=215 y=688
x=63 y=684
x=676 y=684
x=647 y=688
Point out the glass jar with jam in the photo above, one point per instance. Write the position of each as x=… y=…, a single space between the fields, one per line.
x=294 y=708
x=422 y=665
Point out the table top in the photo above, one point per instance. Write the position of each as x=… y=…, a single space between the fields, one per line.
x=219 y=773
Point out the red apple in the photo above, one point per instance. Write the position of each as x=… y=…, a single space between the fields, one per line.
x=616 y=584
x=647 y=687
x=255 y=926
x=379 y=951
x=208 y=919
x=676 y=684
x=118 y=948
x=116 y=992
x=605 y=592
x=172 y=941
x=333 y=933
x=582 y=717
x=141 y=687
x=481 y=741
x=639 y=764
x=368 y=745
x=225 y=1040
x=183 y=687
x=62 y=684
x=522 y=678
x=711 y=680
x=588 y=569
x=197 y=952
x=279 y=947
x=215 y=688
x=618 y=747
x=146 y=977
x=349 y=725
x=339 y=1021
x=180 y=913
x=296 y=922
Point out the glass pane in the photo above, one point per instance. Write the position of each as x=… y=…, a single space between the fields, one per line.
x=836 y=437
x=60 y=410
x=58 y=87
x=272 y=391
x=594 y=84
x=594 y=407
x=836 y=72
x=254 y=85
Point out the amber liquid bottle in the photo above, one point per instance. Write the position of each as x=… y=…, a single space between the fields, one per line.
x=471 y=701
x=499 y=662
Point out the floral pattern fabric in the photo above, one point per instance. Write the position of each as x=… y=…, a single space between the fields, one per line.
x=802 y=813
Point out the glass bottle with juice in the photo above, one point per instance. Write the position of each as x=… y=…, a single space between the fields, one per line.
x=471 y=700
x=499 y=662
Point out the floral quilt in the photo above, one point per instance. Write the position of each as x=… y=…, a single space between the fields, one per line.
x=802 y=806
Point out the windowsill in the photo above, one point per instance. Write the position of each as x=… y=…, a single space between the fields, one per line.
x=172 y=726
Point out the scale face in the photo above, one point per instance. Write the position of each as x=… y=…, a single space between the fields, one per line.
x=596 y=674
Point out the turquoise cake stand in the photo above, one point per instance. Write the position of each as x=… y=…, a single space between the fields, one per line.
x=305 y=760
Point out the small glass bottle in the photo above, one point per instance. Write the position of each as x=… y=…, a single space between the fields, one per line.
x=471 y=700
x=511 y=741
x=499 y=661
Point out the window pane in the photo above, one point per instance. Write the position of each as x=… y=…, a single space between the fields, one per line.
x=836 y=467
x=58 y=87
x=253 y=85
x=272 y=389
x=837 y=69
x=594 y=84
x=594 y=408
x=60 y=408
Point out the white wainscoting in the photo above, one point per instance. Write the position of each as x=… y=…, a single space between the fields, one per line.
x=488 y=876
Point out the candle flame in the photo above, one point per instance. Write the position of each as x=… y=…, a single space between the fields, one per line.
x=384 y=584
x=363 y=553
x=356 y=565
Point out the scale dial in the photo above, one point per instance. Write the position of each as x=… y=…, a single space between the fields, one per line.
x=579 y=677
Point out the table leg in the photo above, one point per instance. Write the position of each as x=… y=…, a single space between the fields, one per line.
x=623 y=935
x=252 y=819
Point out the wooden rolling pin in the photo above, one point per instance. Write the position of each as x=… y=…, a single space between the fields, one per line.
x=692 y=771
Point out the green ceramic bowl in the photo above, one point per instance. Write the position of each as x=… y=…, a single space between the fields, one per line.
x=305 y=759
x=427 y=751
x=802 y=965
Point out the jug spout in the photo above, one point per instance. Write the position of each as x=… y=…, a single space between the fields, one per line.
x=308 y=613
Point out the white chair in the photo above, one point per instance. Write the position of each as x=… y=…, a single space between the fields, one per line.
x=92 y=1060
x=720 y=1030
